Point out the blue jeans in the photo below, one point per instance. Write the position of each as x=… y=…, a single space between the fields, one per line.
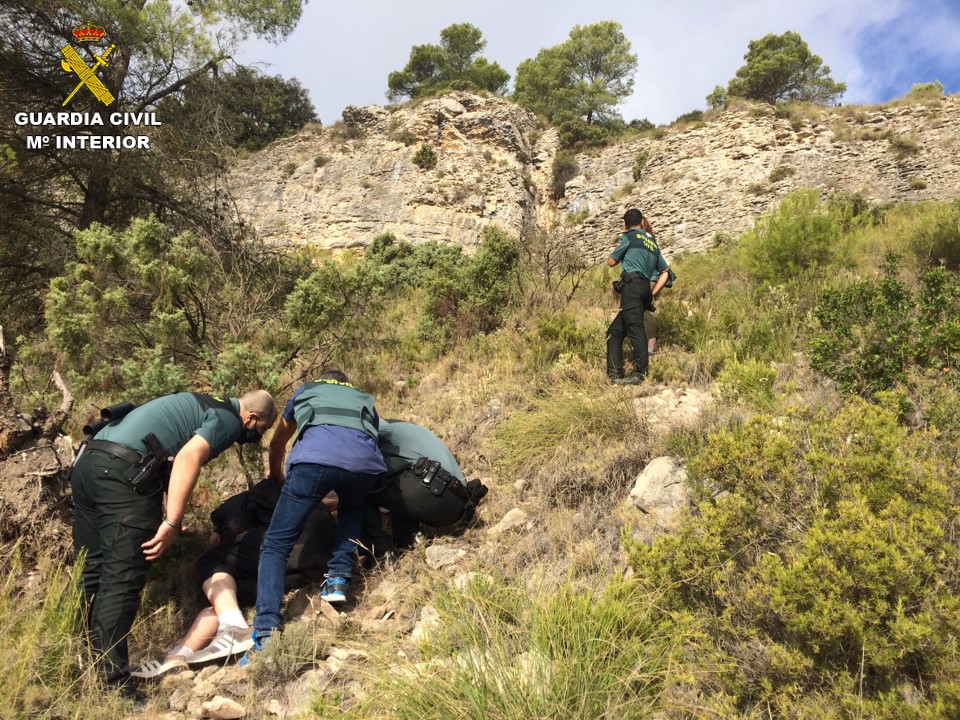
x=306 y=485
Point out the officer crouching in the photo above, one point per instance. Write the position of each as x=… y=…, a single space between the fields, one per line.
x=119 y=480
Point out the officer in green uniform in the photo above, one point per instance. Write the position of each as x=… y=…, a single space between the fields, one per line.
x=119 y=527
x=641 y=264
x=409 y=488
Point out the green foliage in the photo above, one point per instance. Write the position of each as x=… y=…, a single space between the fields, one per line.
x=565 y=168
x=781 y=172
x=425 y=158
x=473 y=296
x=718 y=99
x=926 y=91
x=690 y=117
x=829 y=564
x=432 y=69
x=501 y=652
x=145 y=311
x=749 y=382
x=583 y=78
x=251 y=110
x=639 y=163
x=799 y=237
x=558 y=335
x=641 y=125
x=873 y=332
x=904 y=146
x=781 y=67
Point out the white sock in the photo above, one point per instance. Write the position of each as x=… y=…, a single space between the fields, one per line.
x=181 y=650
x=232 y=617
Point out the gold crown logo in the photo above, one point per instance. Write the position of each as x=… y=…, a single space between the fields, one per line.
x=88 y=32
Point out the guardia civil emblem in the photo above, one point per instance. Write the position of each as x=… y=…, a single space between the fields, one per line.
x=87 y=74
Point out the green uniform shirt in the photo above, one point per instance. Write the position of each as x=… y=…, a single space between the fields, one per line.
x=403 y=443
x=638 y=252
x=174 y=419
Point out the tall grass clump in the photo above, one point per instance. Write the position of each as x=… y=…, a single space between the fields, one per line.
x=820 y=566
x=501 y=652
x=46 y=665
x=563 y=414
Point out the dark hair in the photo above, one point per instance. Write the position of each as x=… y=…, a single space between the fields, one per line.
x=334 y=375
x=632 y=217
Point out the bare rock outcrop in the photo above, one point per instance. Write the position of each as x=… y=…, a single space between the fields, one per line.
x=341 y=186
x=338 y=187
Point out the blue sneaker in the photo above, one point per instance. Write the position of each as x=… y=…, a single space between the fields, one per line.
x=257 y=646
x=335 y=590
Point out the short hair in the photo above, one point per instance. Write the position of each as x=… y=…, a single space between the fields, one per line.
x=334 y=375
x=632 y=217
x=260 y=402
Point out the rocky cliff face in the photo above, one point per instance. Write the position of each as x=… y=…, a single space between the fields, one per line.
x=340 y=186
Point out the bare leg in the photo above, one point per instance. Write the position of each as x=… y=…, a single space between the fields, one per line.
x=221 y=590
x=202 y=631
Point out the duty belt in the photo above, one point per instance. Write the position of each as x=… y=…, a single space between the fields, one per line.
x=629 y=277
x=121 y=452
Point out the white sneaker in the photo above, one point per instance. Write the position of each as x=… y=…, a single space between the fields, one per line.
x=228 y=642
x=155 y=668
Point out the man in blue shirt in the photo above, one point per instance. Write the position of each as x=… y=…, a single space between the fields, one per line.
x=641 y=264
x=336 y=427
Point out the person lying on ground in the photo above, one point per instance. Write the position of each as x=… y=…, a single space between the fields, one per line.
x=228 y=576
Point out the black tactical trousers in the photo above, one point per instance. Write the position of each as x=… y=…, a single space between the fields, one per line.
x=111 y=523
x=628 y=323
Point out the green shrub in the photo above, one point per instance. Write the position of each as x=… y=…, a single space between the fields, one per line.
x=904 y=145
x=474 y=295
x=926 y=91
x=800 y=236
x=145 y=311
x=781 y=172
x=690 y=117
x=749 y=382
x=565 y=168
x=425 y=158
x=829 y=563
x=639 y=163
x=557 y=334
x=873 y=332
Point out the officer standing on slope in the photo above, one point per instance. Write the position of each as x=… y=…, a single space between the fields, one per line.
x=642 y=263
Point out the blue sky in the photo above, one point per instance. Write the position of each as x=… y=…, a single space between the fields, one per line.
x=343 y=52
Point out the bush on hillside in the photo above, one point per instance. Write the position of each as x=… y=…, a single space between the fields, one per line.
x=873 y=333
x=474 y=295
x=145 y=311
x=800 y=236
x=425 y=158
x=565 y=168
x=827 y=563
